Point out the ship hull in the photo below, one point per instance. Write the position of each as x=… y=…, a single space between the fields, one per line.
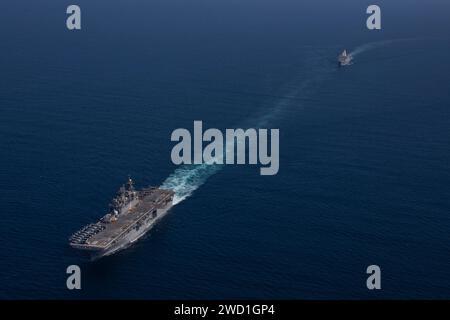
x=131 y=237
x=345 y=61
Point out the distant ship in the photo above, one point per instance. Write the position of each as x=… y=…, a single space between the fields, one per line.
x=132 y=213
x=344 y=58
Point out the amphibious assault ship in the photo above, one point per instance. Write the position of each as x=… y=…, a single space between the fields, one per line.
x=344 y=58
x=132 y=213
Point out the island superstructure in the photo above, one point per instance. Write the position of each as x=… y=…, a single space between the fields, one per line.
x=132 y=213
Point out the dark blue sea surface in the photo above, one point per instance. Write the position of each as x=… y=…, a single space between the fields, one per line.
x=364 y=150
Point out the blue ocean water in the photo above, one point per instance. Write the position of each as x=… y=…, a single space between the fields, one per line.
x=364 y=150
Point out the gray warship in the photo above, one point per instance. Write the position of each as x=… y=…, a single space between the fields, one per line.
x=132 y=213
x=344 y=59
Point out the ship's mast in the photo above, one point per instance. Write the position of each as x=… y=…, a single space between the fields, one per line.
x=130 y=184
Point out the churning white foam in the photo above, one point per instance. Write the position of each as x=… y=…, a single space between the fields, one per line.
x=188 y=178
